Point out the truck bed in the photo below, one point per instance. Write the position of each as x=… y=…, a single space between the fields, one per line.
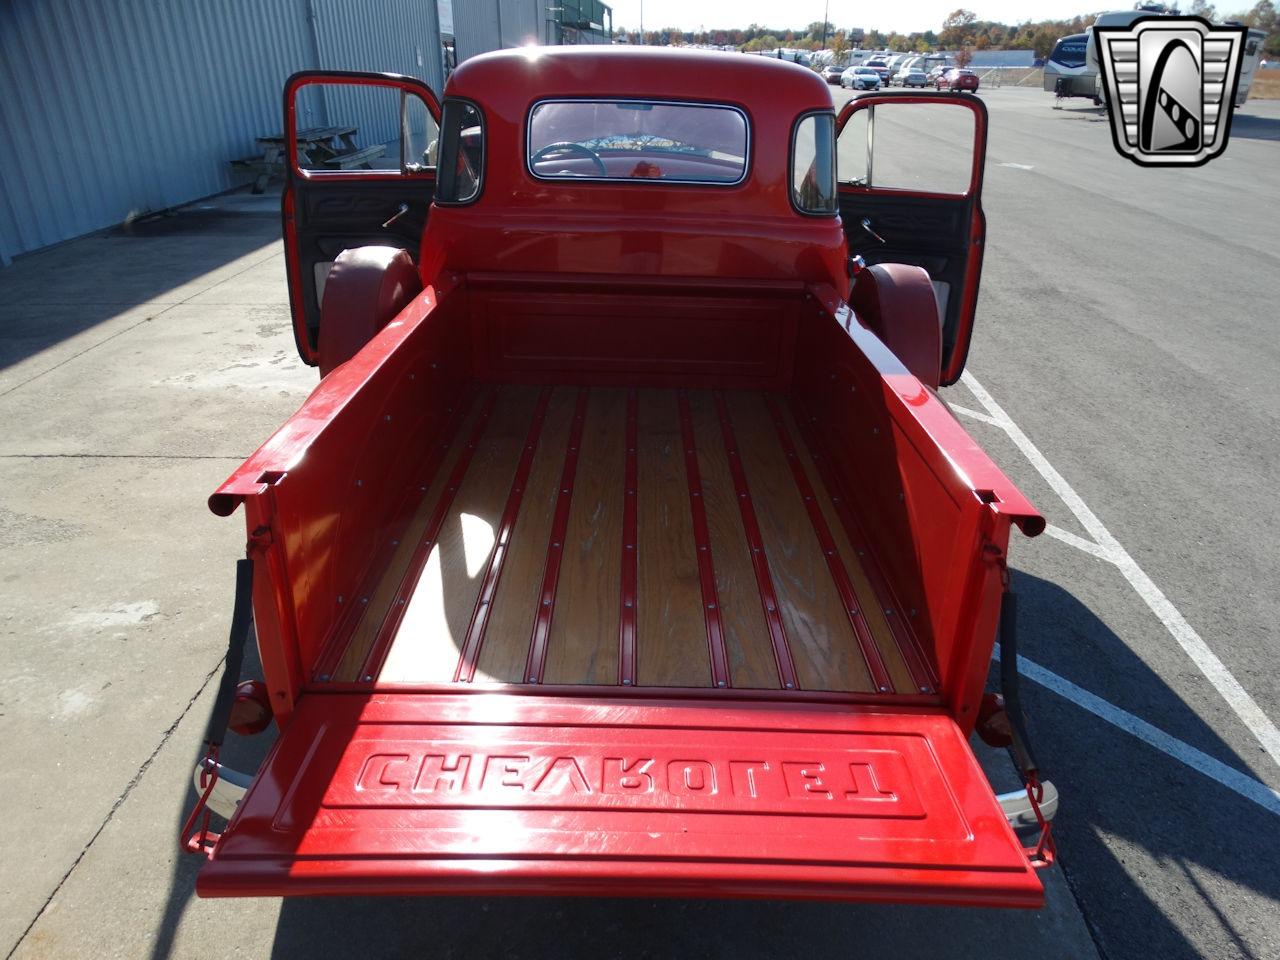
x=635 y=537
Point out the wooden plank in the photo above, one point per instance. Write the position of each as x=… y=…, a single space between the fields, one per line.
x=345 y=161
x=383 y=595
x=583 y=646
x=746 y=637
x=434 y=627
x=822 y=640
x=629 y=566
x=836 y=561
x=702 y=540
x=873 y=607
x=506 y=645
x=671 y=639
x=502 y=549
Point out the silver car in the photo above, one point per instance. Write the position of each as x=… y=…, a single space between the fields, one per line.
x=860 y=78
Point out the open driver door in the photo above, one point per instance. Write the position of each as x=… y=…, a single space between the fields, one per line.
x=360 y=171
x=910 y=167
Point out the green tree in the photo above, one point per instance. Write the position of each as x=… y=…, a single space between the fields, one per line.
x=957 y=29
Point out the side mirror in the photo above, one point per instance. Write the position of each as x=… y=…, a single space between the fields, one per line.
x=356 y=124
x=912 y=143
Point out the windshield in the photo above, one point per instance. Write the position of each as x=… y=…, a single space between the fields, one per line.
x=644 y=140
x=1069 y=52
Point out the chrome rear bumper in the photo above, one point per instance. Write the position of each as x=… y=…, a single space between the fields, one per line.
x=1018 y=811
x=227 y=792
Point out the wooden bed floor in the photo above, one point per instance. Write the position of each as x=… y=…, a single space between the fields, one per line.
x=637 y=537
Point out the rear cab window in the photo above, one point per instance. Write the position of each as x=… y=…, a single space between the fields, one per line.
x=638 y=140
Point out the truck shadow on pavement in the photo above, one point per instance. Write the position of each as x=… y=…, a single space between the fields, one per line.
x=55 y=294
x=1117 y=794
x=1129 y=811
x=1249 y=126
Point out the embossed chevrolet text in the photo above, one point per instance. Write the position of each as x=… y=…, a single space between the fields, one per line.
x=858 y=783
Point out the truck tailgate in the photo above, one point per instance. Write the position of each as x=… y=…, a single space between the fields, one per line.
x=481 y=793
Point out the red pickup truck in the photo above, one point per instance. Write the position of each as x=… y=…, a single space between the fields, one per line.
x=625 y=546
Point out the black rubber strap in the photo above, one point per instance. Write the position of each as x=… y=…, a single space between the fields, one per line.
x=241 y=630
x=1009 y=684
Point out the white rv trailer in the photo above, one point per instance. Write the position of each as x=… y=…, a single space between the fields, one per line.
x=1067 y=64
x=1253 y=42
x=1124 y=18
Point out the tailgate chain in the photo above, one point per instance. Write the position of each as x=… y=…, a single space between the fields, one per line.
x=1042 y=853
x=204 y=840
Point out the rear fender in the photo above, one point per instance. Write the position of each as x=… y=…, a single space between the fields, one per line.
x=364 y=291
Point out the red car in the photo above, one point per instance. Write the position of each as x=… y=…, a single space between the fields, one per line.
x=625 y=546
x=956 y=79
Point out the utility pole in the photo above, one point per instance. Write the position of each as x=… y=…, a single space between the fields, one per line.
x=826 y=9
x=642 y=23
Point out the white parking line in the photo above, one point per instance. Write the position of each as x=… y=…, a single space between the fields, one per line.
x=1245 y=707
x=1080 y=543
x=975 y=415
x=1229 y=777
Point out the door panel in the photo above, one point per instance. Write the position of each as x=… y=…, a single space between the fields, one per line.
x=360 y=149
x=929 y=232
x=910 y=192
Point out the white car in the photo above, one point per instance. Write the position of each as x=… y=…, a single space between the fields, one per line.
x=860 y=78
x=913 y=78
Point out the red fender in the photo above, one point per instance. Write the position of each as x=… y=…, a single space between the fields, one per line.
x=365 y=290
x=897 y=302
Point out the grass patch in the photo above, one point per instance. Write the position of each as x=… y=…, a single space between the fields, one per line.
x=1266 y=85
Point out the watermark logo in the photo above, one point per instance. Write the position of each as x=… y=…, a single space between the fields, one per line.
x=1171 y=86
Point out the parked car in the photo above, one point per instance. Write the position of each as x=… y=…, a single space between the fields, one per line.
x=956 y=79
x=936 y=72
x=832 y=74
x=880 y=67
x=860 y=78
x=913 y=78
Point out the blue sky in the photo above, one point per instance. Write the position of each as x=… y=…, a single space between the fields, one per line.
x=904 y=16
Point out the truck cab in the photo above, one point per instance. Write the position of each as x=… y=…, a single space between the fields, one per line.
x=625 y=546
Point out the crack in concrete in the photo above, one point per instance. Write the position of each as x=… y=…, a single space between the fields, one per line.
x=133 y=782
x=168 y=733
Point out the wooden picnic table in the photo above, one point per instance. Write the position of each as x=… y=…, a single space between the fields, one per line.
x=318 y=148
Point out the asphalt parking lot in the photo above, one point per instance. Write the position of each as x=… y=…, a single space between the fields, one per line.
x=1122 y=373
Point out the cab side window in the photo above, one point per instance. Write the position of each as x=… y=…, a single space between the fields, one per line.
x=461 y=172
x=813 y=165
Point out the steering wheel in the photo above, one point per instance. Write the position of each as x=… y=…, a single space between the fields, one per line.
x=568 y=146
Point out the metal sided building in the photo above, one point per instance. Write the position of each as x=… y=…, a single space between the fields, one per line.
x=114 y=109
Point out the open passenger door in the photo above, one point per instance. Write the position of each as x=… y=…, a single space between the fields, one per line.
x=359 y=171
x=534 y=793
x=910 y=167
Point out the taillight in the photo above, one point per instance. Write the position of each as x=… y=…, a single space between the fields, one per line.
x=251 y=709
